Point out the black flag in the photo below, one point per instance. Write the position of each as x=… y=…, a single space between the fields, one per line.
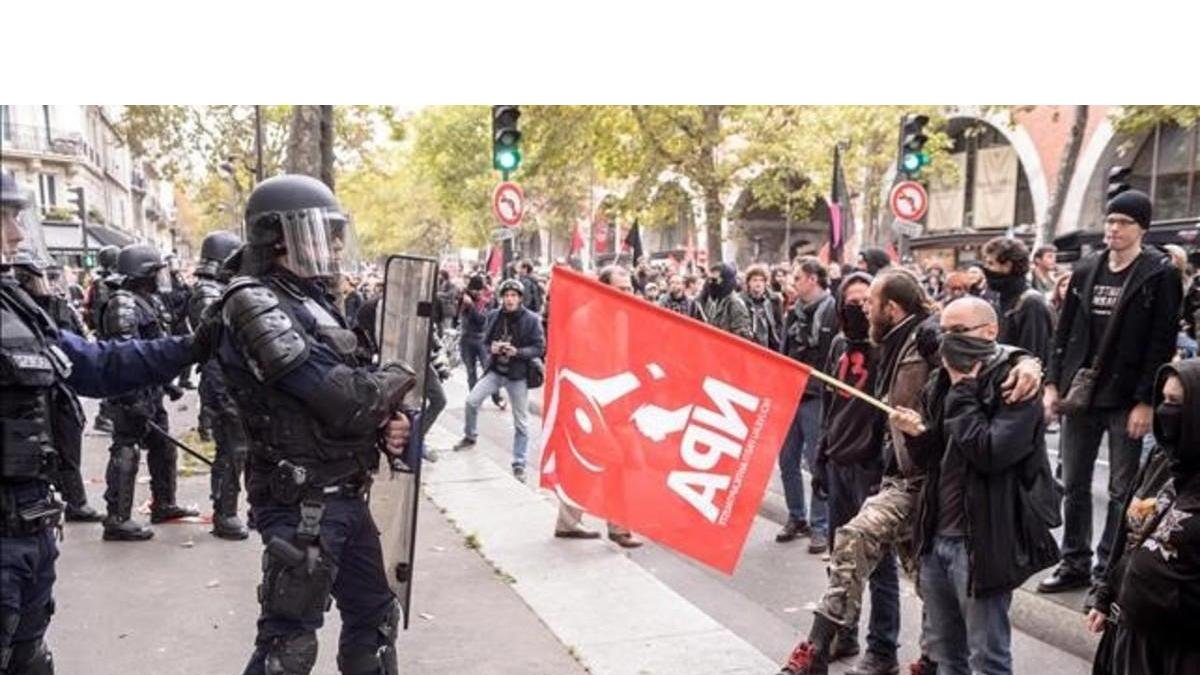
x=633 y=242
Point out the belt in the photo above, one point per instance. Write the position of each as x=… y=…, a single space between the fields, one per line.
x=32 y=518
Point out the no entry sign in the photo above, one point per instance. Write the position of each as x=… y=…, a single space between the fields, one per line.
x=909 y=201
x=508 y=203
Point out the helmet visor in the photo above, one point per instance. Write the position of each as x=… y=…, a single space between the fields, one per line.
x=319 y=242
x=162 y=280
x=21 y=233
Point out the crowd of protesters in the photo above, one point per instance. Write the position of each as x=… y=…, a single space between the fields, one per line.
x=957 y=488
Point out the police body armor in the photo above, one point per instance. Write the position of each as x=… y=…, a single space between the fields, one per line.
x=128 y=315
x=290 y=455
x=31 y=366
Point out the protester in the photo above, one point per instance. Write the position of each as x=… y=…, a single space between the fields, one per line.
x=474 y=305
x=677 y=300
x=873 y=260
x=976 y=279
x=976 y=527
x=513 y=338
x=809 y=332
x=724 y=307
x=1118 y=326
x=1045 y=268
x=570 y=519
x=1025 y=319
x=1148 y=604
x=935 y=282
x=534 y=298
x=1059 y=296
x=766 y=309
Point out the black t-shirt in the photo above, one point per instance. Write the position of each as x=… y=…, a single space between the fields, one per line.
x=951 y=513
x=1105 y=294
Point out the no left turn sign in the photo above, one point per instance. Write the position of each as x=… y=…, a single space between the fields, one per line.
x=909 y=201
x=508 y=203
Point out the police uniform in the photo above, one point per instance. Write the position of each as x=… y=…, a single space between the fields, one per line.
x=215 y=400
x=312 y=411
x=138 y=314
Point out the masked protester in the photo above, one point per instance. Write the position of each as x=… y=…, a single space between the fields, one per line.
x=1025 y=317
x=1148 y=603
x=38 y=358
x=723 y=306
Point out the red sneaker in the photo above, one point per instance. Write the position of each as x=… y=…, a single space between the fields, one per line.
x=806 y=659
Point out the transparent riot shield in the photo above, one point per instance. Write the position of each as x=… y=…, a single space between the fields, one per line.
x=405 y=331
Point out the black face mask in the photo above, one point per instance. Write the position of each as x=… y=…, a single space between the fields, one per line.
x=1169 y=427
x=1004 y=284
x=962 y=352
x=855 y=324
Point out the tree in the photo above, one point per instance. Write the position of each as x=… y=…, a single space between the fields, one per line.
x=394 y=209
x=1066 y=169
x=310 y=142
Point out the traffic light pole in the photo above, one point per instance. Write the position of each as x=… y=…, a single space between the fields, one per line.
x=83 y=233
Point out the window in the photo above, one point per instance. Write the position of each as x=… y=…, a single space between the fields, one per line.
x=6 y=126
x=1168 y=169
x=47 y=193
x=46 y=121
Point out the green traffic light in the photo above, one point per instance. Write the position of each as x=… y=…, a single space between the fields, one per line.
x=507 y=160
x=912 y=162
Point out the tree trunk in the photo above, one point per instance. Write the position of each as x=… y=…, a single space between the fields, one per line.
x=714 y=213
x=710 y=183
x=327 y=145
x=1066 y=169
x=304 y=141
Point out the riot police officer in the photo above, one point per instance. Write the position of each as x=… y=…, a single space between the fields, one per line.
x=103 y=284
x=36 y=357
x=67 y=420
x=215 y=401
x=317 y=417
x=139 y=418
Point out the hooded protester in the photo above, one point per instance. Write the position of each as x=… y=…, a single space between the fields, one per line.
x=723 y=307
x=1148 y=603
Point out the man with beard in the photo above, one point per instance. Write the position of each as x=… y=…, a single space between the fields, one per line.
x=1025 y=318
x=902 y=327
x=677 y=300
x=766 y=309
x=723 y=307
x=850 y=460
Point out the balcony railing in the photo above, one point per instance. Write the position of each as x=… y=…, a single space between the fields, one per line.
x=38 y=139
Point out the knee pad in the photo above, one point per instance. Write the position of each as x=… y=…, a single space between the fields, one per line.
x=126 y=458
x=292 y=655
x=297 y=581
x=381 y=659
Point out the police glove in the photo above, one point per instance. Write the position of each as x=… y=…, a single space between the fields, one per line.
x=203 y=342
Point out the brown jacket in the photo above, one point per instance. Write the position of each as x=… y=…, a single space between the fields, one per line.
x=907 y=379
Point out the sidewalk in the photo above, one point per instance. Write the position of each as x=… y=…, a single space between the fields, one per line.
x=184 y=601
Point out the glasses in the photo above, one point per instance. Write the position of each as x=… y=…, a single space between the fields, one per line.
x=959 y=330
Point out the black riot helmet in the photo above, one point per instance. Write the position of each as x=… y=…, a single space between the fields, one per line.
x=298 y=217
x=108 y=257
x=141 y=263
x=20 y=228
x=215 y=248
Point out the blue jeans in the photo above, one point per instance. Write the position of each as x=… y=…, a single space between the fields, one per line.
x=801 y=444
x=1081 y=435
x=473 y=357
x=518 y=395
x=849 y=487
x=963 y=634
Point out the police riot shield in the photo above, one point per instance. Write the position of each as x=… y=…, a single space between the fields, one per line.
x=404 y=330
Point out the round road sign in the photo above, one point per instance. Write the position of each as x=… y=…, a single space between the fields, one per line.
x=508 y=203
x=909 y=201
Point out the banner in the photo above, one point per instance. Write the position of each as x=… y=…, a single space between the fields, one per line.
x=662 y=424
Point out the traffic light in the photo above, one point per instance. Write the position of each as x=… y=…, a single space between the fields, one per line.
x=506 y=138
x=1118 y=181
x=912 y=144
x=76 y=200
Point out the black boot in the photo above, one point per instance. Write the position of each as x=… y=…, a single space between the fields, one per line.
x=82 y=513
x=161 y=513
x=792 y=529
x=229 y=527
x=122 y=478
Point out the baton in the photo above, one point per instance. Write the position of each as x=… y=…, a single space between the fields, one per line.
x=179 y=444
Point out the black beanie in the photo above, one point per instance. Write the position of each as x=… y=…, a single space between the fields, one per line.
x=1132 y=203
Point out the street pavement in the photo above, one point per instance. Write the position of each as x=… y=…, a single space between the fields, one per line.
x=494 y=591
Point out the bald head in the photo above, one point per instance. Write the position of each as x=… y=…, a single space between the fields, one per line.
x=972 y=316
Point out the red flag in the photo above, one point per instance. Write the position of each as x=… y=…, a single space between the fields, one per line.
x=495 y=262
x=660 y=423
x=576 y=241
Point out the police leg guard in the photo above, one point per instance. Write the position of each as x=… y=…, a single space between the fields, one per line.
x=30 y=655
x=225 y=472
x=380 y=659
x=121 y=476
x=30 y=658
x=297 y=581
x=292 y=654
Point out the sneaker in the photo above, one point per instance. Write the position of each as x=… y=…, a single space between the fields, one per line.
x=161 y=514
x=875 y=664
x=793 y=529
x=465 y=444
x=519 y=473
x=430 y=456
x=625 y=540
x=806 y=659
x=818 y=543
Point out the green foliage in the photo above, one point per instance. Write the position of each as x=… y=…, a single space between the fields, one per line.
x=1132 y=119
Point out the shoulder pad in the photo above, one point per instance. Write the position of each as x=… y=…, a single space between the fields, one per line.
x=264 y=332
x=204 y=295
x=119 y=317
